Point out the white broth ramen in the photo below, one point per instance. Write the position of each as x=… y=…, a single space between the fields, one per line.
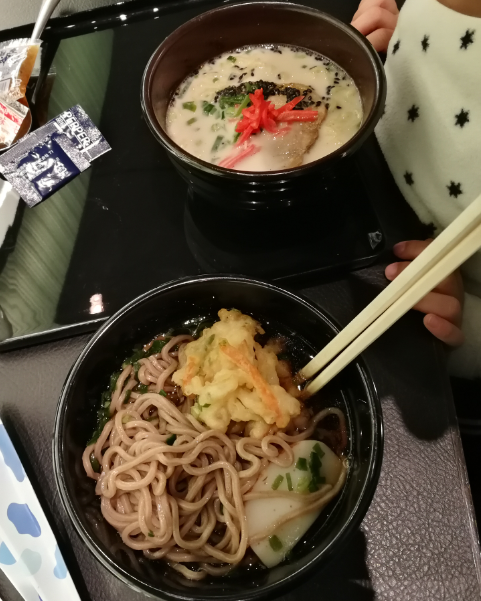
x=202 y=120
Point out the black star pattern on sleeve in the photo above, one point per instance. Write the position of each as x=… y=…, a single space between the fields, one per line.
x=462 y=118
x=395 y=48
x=408 y=177
x=467 y=39
x=413 y=113
x=425 y=43
x=454 y=189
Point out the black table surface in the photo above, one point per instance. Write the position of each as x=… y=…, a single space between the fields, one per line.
x=419 y=538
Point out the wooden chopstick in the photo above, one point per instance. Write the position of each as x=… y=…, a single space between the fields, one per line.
x=419 y=288
x=441 y=246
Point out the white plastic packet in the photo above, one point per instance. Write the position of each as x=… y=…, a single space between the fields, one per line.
x=17 y=59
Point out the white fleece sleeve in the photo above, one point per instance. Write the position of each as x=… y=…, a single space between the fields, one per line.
x=465 y=362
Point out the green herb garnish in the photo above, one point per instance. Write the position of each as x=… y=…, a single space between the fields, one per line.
x=162 y=393
x=237 y=135
x=277 y=482
x=207 y=107
x=94 y=462
x=170 y=441
x=190 y=121
x=142 y=388
x=127 y=395
x=275 y=543
x=190 y=106
x=217 y=143
x=289 y=482
x=151 y=533
x=243 y=105
x=232 y=59
x=205 y=406
x=303 y=484
x=318 y=450
x=302 y=464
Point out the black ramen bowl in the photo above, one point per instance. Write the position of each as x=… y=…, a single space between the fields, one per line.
x=171 y=305
x=250 y=23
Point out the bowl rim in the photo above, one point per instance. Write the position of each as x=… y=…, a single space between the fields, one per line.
x=194 y=162
x=270 y=590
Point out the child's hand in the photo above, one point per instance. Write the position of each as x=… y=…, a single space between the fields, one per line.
x=376 y=19
x=443 y=306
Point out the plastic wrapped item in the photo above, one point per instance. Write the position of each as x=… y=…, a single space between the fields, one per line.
x=50 y=157
x=12 y=115
x=17 y=59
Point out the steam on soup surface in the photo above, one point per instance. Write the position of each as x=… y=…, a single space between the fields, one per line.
x=211 y=109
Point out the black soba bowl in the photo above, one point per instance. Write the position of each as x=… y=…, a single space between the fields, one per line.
x=173 y=304
x=251 y=23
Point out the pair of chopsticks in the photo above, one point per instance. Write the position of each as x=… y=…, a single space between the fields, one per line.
x=459 y=241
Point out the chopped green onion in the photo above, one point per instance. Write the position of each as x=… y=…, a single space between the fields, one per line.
x=217 y=143
x=207 y=107
x=156 y=347
x=127 y=395
x=277 y=482
x=136 y=367
x=113 y=380
x=237 y=135
x=275 y=543
x=250 y=87
x=303 y=484
x=215 y=79
x=94 y=462
x=126 y=419
x=190 y=121
x=217 y=126
x=222 y=115
x=143 y=388
x=170 y=441
x=289 y=482
x=210 y=340
x=318 y=450
x=151 y=533
x=313 y=487
x=243 y=105
x=302 y=464
x=205 y=406
x=190 y=106
x=162 y=393
x=232 y=59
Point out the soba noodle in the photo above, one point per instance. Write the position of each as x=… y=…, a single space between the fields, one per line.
x=175 y=489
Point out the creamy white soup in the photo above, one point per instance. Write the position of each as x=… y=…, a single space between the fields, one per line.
x=265 y=108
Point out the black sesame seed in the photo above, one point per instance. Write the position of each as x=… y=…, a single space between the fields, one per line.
x=252 y=73
x=336 y=74
x=318 y=103
x=339 y=107
x=327 y=105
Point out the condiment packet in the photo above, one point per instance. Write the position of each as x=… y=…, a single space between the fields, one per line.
x=17 y=59
x=12 y=115
x=29 y=554
x=47 y=159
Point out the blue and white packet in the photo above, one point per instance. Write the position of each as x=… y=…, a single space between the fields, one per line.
x=47 y=159
x=29 y=554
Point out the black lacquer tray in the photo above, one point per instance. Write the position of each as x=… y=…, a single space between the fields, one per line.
x=129 y=223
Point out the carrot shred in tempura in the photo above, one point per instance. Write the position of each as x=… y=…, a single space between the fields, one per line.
x=258 y=381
